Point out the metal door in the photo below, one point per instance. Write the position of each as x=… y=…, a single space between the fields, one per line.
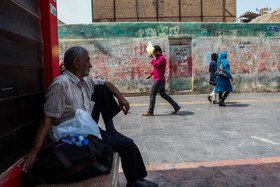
x=181 y=68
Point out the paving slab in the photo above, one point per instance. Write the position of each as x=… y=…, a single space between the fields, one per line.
x=208 y=145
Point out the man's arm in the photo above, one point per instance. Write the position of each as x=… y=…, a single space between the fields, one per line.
x=149 y=76
x=123 y=103
x=158 y=61
x=38 y=143
x=210 y=67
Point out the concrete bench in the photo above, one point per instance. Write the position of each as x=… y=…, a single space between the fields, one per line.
x=13 y=177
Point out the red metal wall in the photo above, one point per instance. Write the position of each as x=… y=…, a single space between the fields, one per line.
x=29 y=40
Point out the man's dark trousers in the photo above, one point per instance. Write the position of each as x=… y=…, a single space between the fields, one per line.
x=159 y=87
x=132 y=162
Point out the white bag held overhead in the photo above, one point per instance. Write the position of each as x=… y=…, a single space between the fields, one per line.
x=82 y=124
x=150 y=48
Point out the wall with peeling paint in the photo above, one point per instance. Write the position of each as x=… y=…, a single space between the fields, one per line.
x=118 y=53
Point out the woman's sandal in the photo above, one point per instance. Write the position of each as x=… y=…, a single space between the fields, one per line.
x=209 y=98
x=215 y=102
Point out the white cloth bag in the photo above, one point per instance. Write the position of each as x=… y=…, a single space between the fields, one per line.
x=82 y=124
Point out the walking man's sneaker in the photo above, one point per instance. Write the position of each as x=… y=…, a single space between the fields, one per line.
x=222 y=103
x=148 y=114
x=176 y=110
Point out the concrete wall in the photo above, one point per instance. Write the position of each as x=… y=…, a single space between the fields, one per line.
x=118 y=52
x=164 y=10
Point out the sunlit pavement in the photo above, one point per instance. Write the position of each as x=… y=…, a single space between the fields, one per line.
x=208 y=145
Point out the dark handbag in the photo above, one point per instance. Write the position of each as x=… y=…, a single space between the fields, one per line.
x=221 y=72
x=212 y=82
x=63 y=163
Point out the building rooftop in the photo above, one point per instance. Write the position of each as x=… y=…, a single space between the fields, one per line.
x=271 y=17
x=247 y=16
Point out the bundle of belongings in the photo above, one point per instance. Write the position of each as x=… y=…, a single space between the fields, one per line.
x=75 y=153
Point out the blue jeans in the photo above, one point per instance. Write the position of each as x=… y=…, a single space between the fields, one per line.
x=159 y=87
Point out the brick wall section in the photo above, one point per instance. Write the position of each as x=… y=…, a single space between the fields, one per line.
x=164 y=10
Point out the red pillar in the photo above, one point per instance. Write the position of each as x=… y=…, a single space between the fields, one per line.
x=50 y=38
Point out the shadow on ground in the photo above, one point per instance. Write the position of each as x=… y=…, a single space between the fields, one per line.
x=236 y=104
x=197 y=174
x=180 y=113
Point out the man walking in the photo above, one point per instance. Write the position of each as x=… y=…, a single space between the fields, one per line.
x=159 y=82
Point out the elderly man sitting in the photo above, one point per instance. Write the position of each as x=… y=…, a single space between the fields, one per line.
x=74 y=90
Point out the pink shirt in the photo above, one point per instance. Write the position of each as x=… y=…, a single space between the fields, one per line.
x=159 y=68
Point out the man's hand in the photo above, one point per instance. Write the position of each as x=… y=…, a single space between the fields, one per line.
x=231 y=80
x=27 y=161
x=149 y=76
x=41 y=134
x=124 y=105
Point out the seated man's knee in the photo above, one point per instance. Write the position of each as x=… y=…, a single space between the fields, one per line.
x=123 y=144
x=98 y=92
x=126 y=147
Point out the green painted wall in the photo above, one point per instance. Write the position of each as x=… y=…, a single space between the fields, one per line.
x=118 y=52
x=157 y=29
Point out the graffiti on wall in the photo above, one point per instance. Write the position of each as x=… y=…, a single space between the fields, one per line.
x=158 y=31
x=118 y=50
x=245 y=56
x=180 y=64
x=140 y=49
x=254 y=62
x=180 y=67
x=127 y=60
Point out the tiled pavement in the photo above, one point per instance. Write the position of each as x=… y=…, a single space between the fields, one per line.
x=208 y=145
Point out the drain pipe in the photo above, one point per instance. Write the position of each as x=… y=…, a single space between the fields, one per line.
x=136 y=10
